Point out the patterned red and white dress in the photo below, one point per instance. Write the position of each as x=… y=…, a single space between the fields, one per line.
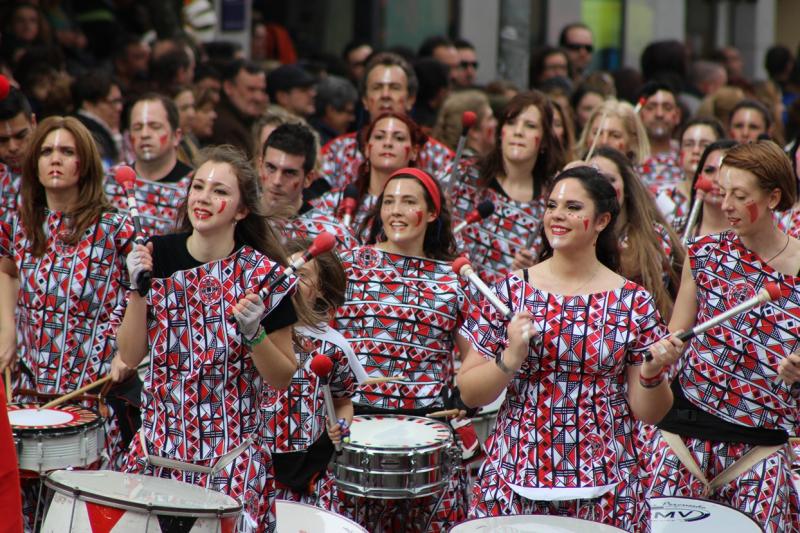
x=294 y=419
x=564 y=442
x=70 y=301
x=661 y=169
x=202 y=395
x=10 y=180
x=342 y=157
x=673 y=204
x=310 y=222
x=158 y=201
x=330 y=205
x=401 y=316
x=730 y=372
x=491 y=244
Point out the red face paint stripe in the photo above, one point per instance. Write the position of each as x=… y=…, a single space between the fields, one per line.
x=222 y=205
x=752 y=209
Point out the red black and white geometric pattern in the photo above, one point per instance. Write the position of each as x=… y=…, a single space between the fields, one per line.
x=765 y=492
x=660 y=169
x=158 y=202
x=295 y=418
x=248 y=479
x=9 y=189
x=673 y=204
x=401 y=315
x=566 y=422
x=202 y=393
x=492 y=243
x=623 y=507
x=323 y=494
x=341 y=158
x=730 y=370
x=329 y=205
x=313 y=222
x=789 y=221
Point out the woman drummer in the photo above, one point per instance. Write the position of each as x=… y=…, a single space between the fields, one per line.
x=392 y=141
x=403 y=307
x=572 y=363
x=731 y=408
x=202 y=392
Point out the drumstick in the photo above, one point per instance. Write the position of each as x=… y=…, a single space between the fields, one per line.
x=383 y=379
x=603 y=118
x=322 y=366
x=8 y=384
x=468 y=119
x=76 y=392
x=702 y=187
x=771 y=291
x=126 y=177
x=462 y=267
x=447 y=413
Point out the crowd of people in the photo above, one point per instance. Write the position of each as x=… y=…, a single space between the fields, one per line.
x=627 y=207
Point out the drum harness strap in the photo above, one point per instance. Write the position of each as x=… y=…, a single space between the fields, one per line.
x=166 y=462
x=739 y=467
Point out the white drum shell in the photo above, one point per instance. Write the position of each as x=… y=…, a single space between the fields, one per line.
x=293 y=517
x=533 y=524
x=685 y=515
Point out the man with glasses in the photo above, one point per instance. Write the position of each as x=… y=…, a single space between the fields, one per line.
x=469 y=62
x=577 y=40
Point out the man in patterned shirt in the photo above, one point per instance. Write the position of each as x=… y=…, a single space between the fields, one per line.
x=287 y=167
x=660 y=115
x=161 y=180
x=17 y=122
x=389 y=84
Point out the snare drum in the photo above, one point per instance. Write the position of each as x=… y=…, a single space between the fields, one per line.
x=486 y=417
x=294 y=517
x=102 y=500
x=525 y=523
x=684 y=515
x=57 y=437
x=396 y=457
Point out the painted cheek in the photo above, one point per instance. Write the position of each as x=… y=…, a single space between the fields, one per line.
x=163 y=140
x=585 y=224
x=77 y=166
x=222 y=205
x=408 y=152
x=752 y=210
x=419 y=215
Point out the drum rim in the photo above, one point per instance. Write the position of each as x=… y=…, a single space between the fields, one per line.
x=127 y=505
x=400 y=449
x=58 y=429
x=342 y=517
x=721 y=504
x=549 y=515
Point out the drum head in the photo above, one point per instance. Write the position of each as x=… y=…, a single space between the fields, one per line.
x=526 y=523
x=684 y=515
x=293 y=517
x=30 y=417
x=135 y=492
x=397 y=431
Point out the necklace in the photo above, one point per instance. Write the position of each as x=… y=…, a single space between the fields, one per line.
x=780 y=252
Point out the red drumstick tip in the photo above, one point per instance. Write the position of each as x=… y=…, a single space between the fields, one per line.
x=704 y=184
x=349 y=205
x=459 y=264
x=324 y=242
x=5 y=87
x=468 y=119
x=774 y=290
x=321 y=365
x=125 y=176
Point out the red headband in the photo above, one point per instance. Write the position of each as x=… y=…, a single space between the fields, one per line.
x=428 y=182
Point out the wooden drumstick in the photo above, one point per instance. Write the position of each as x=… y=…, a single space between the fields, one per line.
x=383 y=379
x=76 y=392
x=447 y=413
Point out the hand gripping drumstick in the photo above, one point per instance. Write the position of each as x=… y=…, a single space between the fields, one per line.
x=468 y=119
x=349 y=203
x=324 y=242
x=484 y=210
x=322 y=366
x=463 y=268
x=85 y=388
x=126 y=177
x=703 y=187
x=771 y=291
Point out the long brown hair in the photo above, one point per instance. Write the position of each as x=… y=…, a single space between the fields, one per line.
x=551 y=154
x=643 y=259
x=91 y=202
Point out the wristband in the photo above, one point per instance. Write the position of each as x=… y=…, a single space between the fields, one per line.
x=502 y=366
x=260 y=336
x=653 y=382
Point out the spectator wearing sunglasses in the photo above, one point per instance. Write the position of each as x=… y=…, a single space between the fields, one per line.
x=577 y=40
x=469 y=62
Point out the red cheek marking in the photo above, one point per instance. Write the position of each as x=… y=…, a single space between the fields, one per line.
x=77 y=166
x=408 y=152
x=296 y=186
x=752 y=209
x=222 y=205
x=585 y=224
x=163 y=139
x=419 y=217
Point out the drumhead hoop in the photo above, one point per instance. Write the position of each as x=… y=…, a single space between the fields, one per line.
x=135 y=492
x=533 y=524
x=30 y=417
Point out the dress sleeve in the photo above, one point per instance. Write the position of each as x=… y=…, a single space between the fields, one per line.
x=484 y=327
x=649 y=327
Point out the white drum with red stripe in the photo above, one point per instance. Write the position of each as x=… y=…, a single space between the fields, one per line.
x=57 y=437
x=296 y=517
x=674 y=514
x=526 y=523
x=112 y=502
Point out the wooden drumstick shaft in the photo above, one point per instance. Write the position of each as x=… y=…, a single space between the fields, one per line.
x=76 y=392
x=444 y=414
x=383 y=379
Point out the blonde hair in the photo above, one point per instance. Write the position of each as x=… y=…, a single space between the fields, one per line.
x=448 y=123
x=638 y=145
